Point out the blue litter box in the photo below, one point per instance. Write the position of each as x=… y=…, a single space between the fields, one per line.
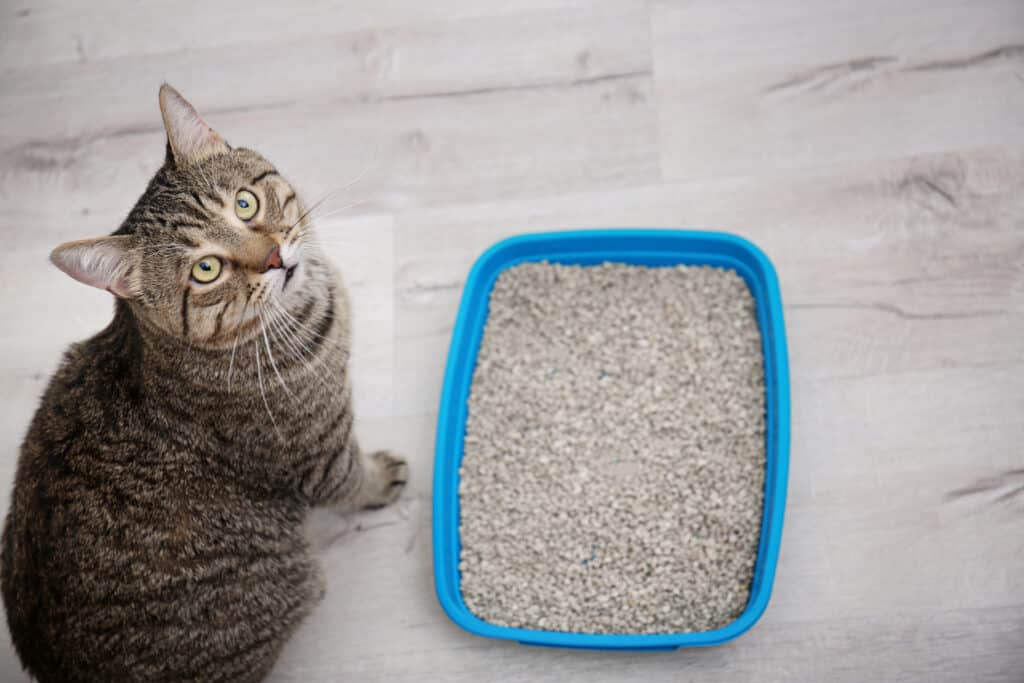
x=589 y=247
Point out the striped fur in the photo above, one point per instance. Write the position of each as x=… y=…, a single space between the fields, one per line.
x=155 y=530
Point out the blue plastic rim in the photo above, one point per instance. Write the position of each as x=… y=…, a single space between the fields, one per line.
x=591 y=247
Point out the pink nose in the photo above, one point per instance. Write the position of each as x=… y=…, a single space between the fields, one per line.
x=273 y=260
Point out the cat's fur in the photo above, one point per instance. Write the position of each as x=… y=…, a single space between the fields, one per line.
x=155 y=531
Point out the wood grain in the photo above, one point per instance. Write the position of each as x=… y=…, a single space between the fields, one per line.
x=834 y=83
x=874 y=150
x=54 y=32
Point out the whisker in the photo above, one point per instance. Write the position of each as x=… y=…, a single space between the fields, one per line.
x=234 y=346
x=297 y=348
x=297 y=323
x=304 y=334
x=359 y=176
x=302 y=235
x=340 y=209
x=313 y=208
x=335 y=211
x=330 y=194
x=263 y=394
x=314 y=363
x=298 y=333
x=282 y=335
x=270 y=355
x=331 y=246
x=320 y=239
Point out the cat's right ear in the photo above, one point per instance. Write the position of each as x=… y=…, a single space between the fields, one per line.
x=189 y=138
x=105 y=262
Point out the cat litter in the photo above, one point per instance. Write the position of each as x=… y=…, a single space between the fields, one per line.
x=613 y=474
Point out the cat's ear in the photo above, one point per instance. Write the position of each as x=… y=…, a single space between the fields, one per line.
x=189 y=138
x=105 y=262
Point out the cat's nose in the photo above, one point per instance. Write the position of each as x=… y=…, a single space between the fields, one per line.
x=273 y=260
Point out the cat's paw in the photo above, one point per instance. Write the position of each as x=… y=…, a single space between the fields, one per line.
x=386 y=475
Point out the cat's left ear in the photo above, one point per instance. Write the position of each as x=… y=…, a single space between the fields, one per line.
x=189 y=138
x=106 y=262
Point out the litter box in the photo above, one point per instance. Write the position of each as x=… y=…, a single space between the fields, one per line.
x=591 y=247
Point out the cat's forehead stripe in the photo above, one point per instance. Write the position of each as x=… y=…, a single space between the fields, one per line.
x=263 y=175
x=213 y=196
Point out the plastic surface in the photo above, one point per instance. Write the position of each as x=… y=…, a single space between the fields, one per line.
x=588 y=247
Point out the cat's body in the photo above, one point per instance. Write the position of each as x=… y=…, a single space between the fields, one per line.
x=156 y=526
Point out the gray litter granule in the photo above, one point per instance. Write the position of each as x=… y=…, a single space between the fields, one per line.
x=613 y=473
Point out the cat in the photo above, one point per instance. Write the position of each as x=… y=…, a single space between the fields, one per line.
x=155 y=530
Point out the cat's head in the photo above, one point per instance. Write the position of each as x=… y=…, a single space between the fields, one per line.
x=216 y=240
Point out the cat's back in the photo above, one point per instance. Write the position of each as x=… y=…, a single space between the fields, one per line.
x=61 y=493
x=118 y=540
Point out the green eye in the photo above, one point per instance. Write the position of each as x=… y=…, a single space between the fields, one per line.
x=206 y=269
x=246 y=205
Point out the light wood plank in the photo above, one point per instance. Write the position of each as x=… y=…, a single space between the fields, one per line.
x=746 y=88
x=54 y=32
x=335 y=62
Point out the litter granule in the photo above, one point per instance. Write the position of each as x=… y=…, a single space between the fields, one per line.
x=613 y=473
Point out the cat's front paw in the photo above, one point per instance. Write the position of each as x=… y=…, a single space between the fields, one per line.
x=386 y=475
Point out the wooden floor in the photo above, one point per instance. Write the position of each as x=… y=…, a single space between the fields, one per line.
x=874 y=149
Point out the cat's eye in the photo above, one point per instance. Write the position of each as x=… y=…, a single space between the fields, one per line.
x=246 y=205
x=206 y=269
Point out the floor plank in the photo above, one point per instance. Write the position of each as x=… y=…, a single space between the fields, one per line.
x=54 y=32
x=752 y=89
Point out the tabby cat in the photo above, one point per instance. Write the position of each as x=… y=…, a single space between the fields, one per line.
x=155 y=531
